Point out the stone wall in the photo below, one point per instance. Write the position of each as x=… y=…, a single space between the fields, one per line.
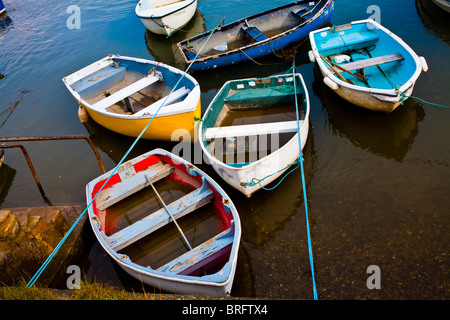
x=29 y=235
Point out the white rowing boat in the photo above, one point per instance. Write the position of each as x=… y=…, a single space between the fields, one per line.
x=165 y=16
x=167 y=224
x=250 y=133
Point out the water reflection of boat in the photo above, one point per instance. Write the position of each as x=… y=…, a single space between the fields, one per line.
x=7 y=175
x=165 y=17
x=434 y=20
x=260 y=223
x=5 y=22
x=443 y=4
x=188 y=244
x=165 y=49
x=388 y=135
x=115 y=145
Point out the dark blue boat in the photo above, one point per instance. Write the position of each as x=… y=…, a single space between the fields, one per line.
x=2 y=7
x=256 y=36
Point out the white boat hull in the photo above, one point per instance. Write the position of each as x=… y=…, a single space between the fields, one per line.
x=368 y=100
x=177 y=286
x=167 y=24
x=265 y=167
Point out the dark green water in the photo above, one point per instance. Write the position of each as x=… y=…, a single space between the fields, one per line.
x=377 y=184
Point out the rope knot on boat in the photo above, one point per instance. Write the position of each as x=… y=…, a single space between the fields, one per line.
x=256 y=181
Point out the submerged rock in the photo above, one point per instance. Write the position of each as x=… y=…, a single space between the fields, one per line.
x=29 y=235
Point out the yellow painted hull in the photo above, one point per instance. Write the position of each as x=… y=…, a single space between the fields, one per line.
x=167 y=128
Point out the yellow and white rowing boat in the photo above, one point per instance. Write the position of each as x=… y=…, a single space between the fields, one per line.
x=123 y=94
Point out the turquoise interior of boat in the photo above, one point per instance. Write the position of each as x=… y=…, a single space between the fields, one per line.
x=362 y=41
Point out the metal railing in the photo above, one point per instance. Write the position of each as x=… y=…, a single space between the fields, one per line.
x=30 y=164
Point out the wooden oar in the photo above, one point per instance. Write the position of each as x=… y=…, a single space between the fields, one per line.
x=170 y=214
x=361 y=78
x=348 y=71
x=335 y=71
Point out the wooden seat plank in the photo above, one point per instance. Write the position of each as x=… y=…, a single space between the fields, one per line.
x=174 y=96
x=251 y=129
x=160 y=218
x=134 y=183
x=199 y=254
x=125 y=92
x=361 y=64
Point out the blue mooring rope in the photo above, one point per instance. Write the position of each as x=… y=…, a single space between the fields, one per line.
x=300 y=158
x=299 y=162
x=404 y=96
x=55 y=250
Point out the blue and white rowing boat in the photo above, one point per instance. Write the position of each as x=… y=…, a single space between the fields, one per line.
x=256 y=36
x=366 y=64
x=167 y=224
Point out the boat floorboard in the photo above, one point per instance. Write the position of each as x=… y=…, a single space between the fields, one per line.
x=139 y=100
x=158 y=219
x=198 y=255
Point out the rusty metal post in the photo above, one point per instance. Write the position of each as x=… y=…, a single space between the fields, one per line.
x=27 y=157
x=30 y=165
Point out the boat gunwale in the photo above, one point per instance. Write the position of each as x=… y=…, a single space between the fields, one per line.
x=387 y=92
x=254 y=44
x=294 y=138
x=194 y=94
x=164 y=15
x=127 y=264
